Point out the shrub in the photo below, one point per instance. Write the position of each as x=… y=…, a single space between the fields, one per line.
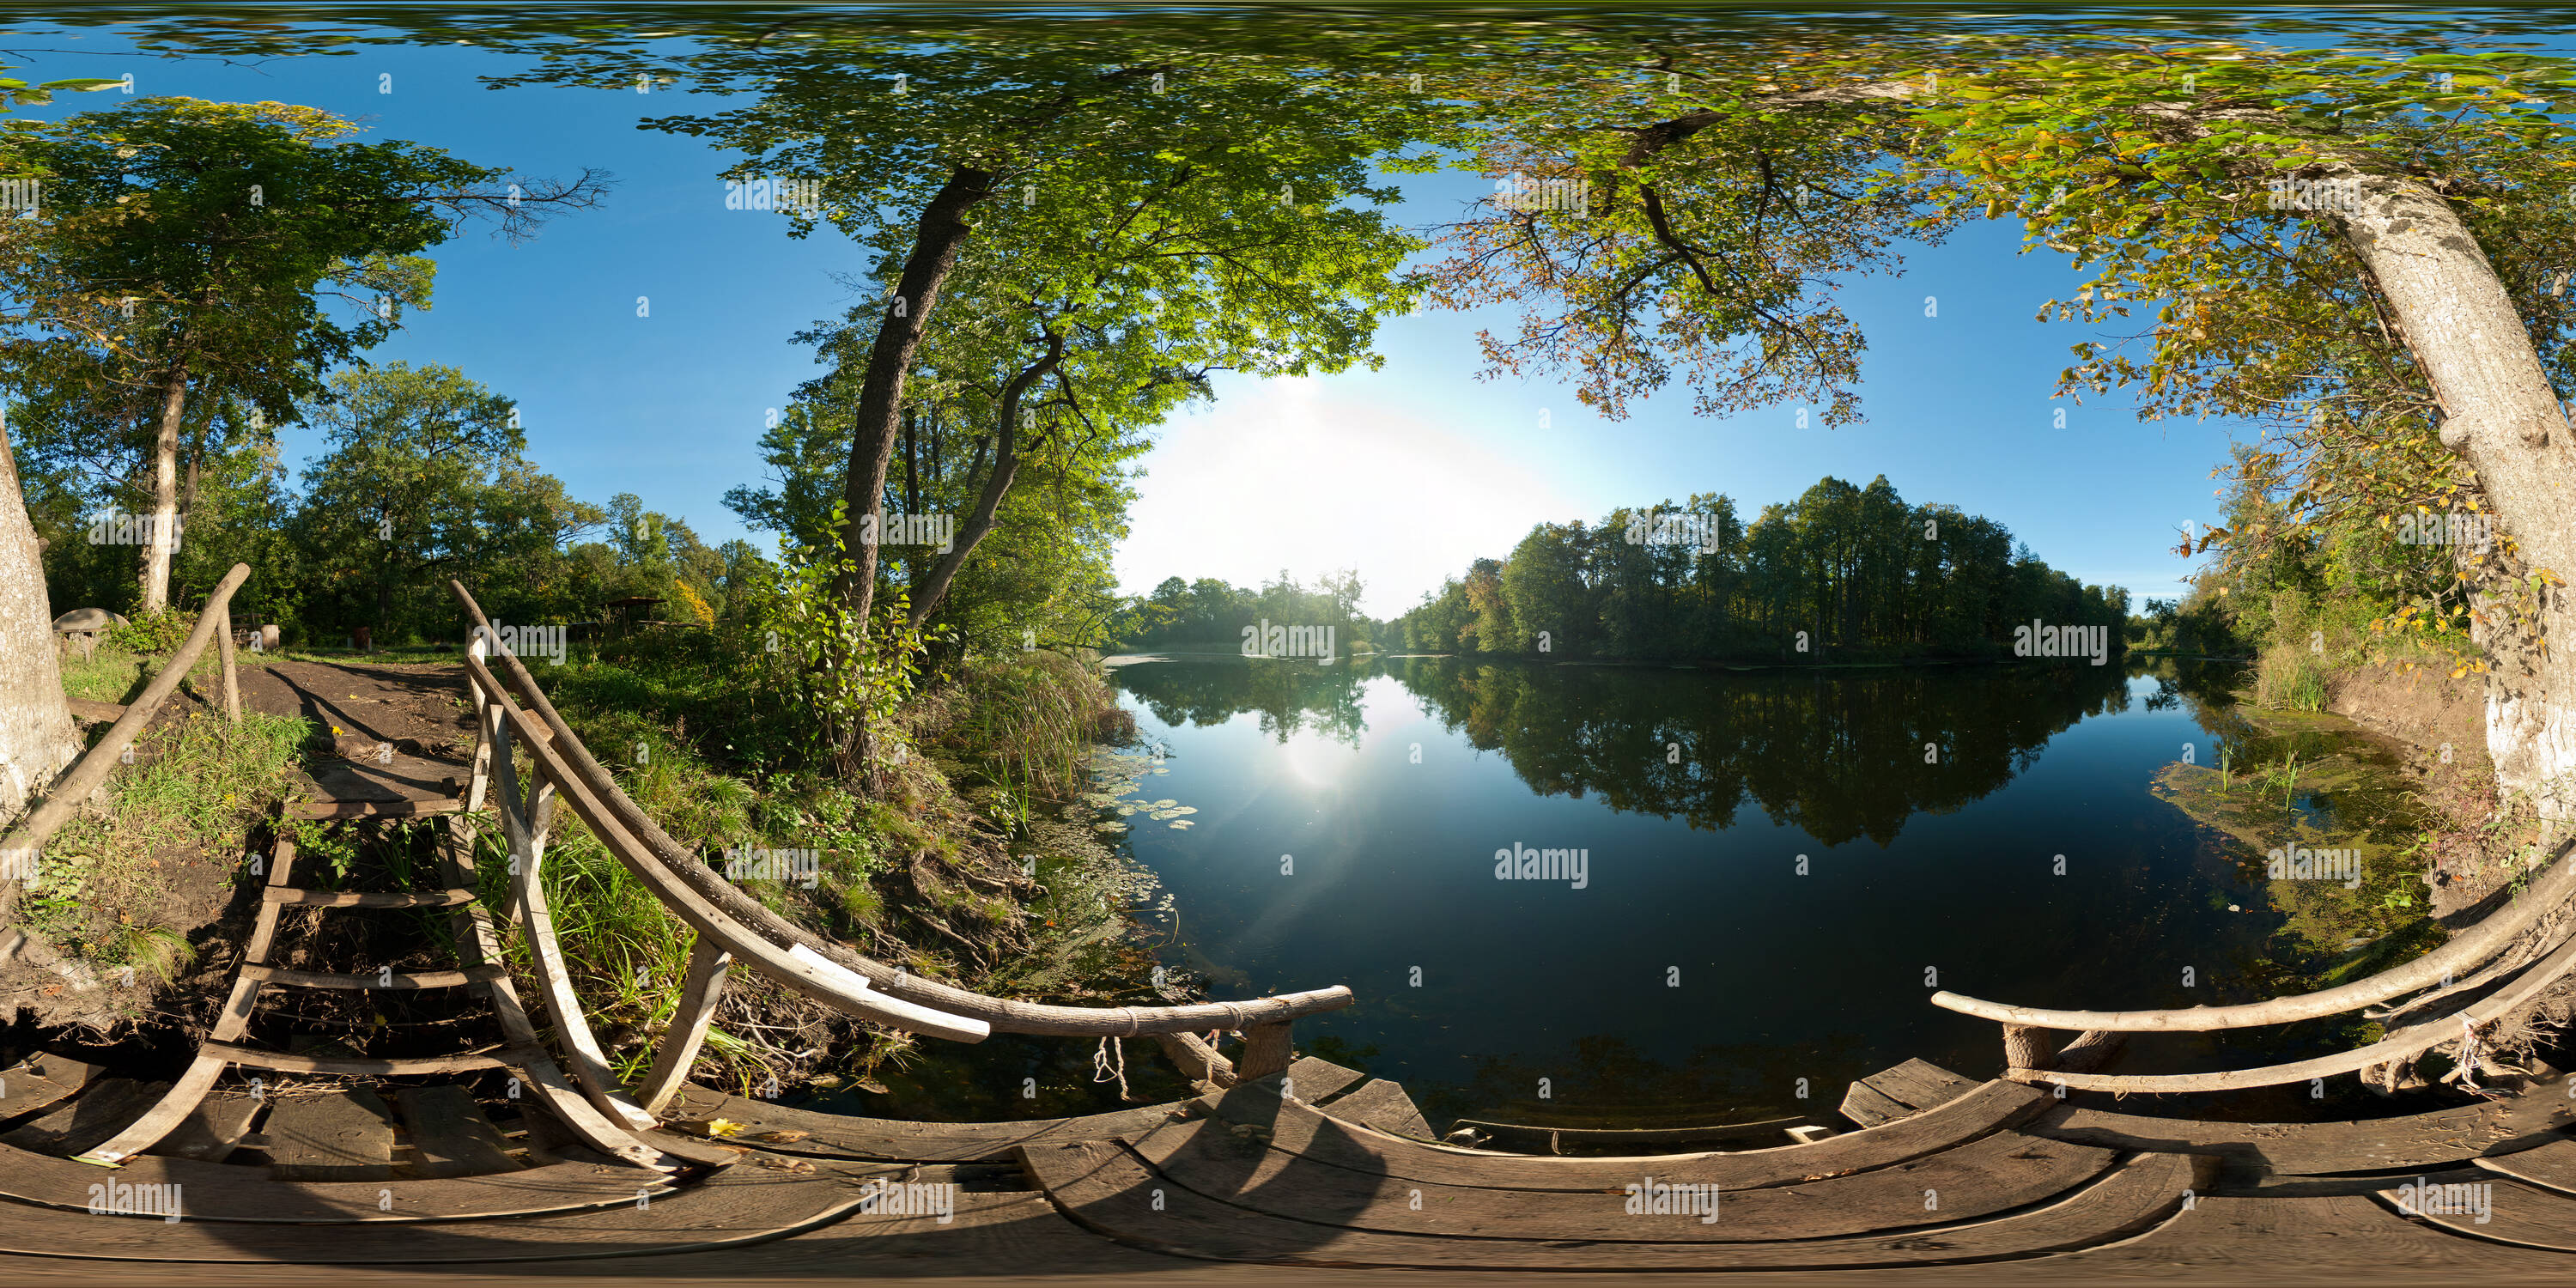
x=161 y=631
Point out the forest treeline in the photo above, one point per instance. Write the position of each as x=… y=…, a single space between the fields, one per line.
x=1841 y=571
x=1211 y=613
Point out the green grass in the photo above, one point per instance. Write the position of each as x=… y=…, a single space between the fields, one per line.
x=198 y=783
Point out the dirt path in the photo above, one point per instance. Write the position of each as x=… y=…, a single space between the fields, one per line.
x=419 y=707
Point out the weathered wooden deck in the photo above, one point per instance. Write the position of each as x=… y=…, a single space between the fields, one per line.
x=1995 y=1177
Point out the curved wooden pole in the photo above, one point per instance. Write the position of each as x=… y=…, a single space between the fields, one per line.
x=689 y=1024
x=755 y=951
x=2463 y=954
x=1005 y=1016
x=2398 y=1046
x=74 y=787
x=525 y=825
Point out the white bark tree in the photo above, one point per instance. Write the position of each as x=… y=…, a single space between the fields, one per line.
x=37 y=738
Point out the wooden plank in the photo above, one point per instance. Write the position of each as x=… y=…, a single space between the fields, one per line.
x=234 y=1192
x=1996 y=1174
x=370 y=898
x=1318 y=1081
x=2513 y=1212
x=1532 y=1138
x=724 y=1212
x=449 y=1134
x=1919 y=1084
x=1868 y=1106
x=344 y=1136
x=2428 y=1139
x=2552 y=1165
x=374 y=809
x=2237 y=1240
x=24 y=1091
x=1107 y=1188
x=393 y=979
x=98 y=1115
x=1384 y=1106
x=1991 y=1107
x=212 y=1130
x=1009 y=1238
x=844 y=1136
x=361 y=1066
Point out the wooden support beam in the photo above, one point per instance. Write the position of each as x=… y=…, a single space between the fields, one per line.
x=689 y=1024
x=232 y=679
x=1265 y=1051
x=2028 y=1048
x=1198 y=1061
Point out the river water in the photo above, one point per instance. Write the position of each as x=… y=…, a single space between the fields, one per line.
x=1777 y=868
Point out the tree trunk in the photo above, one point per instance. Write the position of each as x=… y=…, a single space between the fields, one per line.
x=36 y=734
x=1006 y=468
x=2502 y=415
x=165 y=490
x=936 y=238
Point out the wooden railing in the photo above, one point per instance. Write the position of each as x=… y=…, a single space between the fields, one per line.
x=2512 y=947
x=25 y=843
x=731 y=926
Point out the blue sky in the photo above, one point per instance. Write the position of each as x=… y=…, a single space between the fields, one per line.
x=1405 y=473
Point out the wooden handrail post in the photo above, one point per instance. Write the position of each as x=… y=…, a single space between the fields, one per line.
x=1265 y=1051
x=2028 y=1048
x=232 y=681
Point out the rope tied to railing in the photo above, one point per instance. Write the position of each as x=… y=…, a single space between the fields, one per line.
x=1102 y=1068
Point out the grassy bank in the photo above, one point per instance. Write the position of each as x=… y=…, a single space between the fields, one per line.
x=977 y=865
x=140 y=878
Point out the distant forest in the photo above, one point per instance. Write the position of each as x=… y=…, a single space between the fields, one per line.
x=1211 y=613
x=1857 y=569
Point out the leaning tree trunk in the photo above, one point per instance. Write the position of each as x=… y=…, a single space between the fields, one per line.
x=165 y=490
x=941 y=230
x=1006 y=469
x=36 y=734
x=2499 y=412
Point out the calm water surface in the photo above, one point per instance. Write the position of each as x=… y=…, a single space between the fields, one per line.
x=1779 y=868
